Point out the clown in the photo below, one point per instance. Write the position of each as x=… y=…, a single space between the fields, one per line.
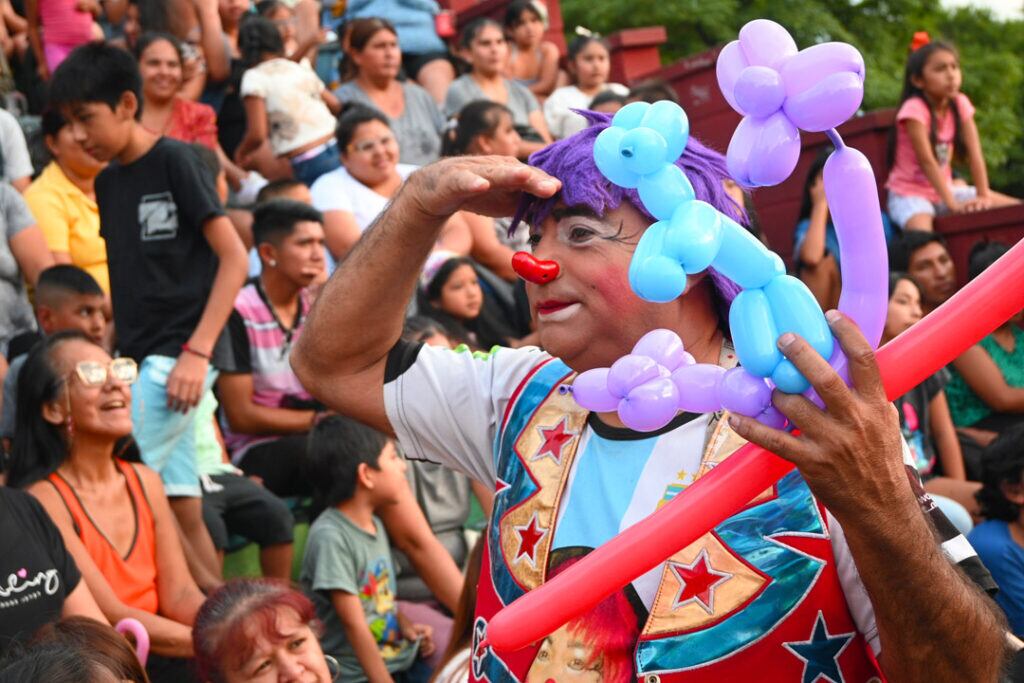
x=818 y=578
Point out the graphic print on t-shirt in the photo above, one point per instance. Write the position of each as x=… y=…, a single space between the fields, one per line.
x=375 y=591
x=24 y=586
x=158 y=217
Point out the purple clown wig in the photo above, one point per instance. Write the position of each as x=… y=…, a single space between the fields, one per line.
x=572 y=161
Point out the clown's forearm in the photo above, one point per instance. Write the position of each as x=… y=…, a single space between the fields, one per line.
x=923 y=604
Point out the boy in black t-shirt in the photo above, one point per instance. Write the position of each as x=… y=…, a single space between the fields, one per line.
x=176 y=265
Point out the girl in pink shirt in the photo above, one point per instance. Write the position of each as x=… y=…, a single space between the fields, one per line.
x=934 y=124
x=65 y=24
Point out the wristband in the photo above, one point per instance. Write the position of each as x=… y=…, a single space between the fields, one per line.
x=188 y=349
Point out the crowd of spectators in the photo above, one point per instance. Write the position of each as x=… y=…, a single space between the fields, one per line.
x=208 y=164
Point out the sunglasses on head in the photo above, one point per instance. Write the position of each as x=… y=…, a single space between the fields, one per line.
x=95 y=374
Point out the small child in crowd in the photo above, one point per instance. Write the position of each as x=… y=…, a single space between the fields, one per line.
x=532 y=61
x=589 y=65
x=347 y=568
x=935 y=125
x=482 y=127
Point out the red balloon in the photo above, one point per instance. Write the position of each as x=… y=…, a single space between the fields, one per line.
x=532 y=269
x=980 y=307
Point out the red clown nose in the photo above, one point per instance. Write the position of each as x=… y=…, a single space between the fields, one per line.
x=532 y=269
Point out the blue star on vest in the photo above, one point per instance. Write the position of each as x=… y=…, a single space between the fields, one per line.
x=821 y=653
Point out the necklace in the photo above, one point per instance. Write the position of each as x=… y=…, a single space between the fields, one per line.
x=288 y=332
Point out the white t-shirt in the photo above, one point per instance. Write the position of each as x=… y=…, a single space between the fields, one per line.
x=296 y=114
x=562 y=121
x=445 y=407
x=339 y=191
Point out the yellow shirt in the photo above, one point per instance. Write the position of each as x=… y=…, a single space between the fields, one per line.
x=70 y=221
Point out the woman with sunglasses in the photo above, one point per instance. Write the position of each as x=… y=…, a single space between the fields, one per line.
x=351 y=197
x=74 y=406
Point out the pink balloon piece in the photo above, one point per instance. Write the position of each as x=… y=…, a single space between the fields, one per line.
x=139 y=634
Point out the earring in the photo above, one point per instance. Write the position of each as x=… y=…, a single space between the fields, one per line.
x=272 y=263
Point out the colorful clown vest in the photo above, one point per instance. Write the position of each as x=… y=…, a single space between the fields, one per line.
x=756 y=599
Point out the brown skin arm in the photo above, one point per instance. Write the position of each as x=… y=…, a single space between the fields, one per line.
x=167 y=637
x=35 y=40
x=547 y=79
x=975 y=157
x=409 y=530
x=918 y=134
x=986 y=380
x=851 y=457
x=247 y=417
x=371 y=288
x=487 y=248
x=944 y=437
x=30 y=251
x=350 y=613
x=255 y=131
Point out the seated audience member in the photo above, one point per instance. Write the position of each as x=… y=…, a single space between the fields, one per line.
x=424 y=55
x=441 y=493
x=267 y=412
x=815 y=243
x=234 y=504
x=484 y=46
x=42 y=582
x=67 y=298
x=371 y=79
x=284 y=16
x=259 y=631
x=607 y=102
x=532 y=61
x=651 y=91
x=76 y=649
x=986 y=393
x=15 y=162
x=74 y=406
x=283 y=188
x=23 y=256
x=165 y=111
x=63 y=201
x=455 y=662
x=924 y=418
x=353 y=196
x=925 y=257
x=347 y=569
x=589 y=65
x=999 y=540
x=285 y=102
x=450 y=293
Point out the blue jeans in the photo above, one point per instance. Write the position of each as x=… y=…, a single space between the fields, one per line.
x=308 y=170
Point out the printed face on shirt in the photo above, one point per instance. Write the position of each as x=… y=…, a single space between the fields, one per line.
x=591 y=65
x=461 y=295
x=940 y=78
x=102 y=131
x=588 y=316
x=295 y=656
x=160 y=67
x=372 y=155
x=933 y=268
x=904 y=308
x=565 y=657
x=380 y=57
x=104 y=411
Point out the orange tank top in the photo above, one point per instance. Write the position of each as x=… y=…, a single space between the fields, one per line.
x=132 y=577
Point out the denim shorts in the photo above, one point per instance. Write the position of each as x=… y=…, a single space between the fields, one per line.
x=308 y=169
x=166 y=438
x=902 y=207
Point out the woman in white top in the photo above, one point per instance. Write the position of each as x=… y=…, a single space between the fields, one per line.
x=589 y=65
x=352 y=196
x=286 y=102
x=484 y=46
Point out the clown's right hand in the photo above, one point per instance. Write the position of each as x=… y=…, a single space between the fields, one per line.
x=486 y=185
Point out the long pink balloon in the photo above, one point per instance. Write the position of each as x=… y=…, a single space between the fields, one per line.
x=983 y=305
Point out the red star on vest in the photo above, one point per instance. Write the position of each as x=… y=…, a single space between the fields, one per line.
x=529 y=536
x=697 y=582
x=555 y=439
